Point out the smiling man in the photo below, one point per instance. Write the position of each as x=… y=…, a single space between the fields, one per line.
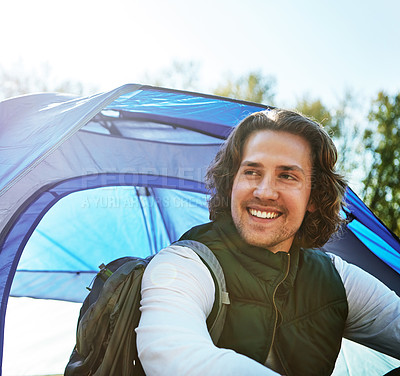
x=275 y=198
x=271 y=189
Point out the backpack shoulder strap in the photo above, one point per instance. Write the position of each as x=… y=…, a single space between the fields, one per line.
x=216 y=319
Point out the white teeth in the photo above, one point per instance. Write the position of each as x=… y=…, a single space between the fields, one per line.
x=263 y=214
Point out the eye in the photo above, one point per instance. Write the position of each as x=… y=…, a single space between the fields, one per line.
x=250 y=172
x=286 y=176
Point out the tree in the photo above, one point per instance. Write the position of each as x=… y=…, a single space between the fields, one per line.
x=341 y=124
x=315 y=110
x=347 y=135
x=182 y=75
x=22 y=80
x=382 y=184
x=253 y=87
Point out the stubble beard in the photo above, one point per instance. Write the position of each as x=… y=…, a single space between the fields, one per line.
x=257 y=235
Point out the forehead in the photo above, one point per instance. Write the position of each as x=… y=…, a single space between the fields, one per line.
x=283 y=148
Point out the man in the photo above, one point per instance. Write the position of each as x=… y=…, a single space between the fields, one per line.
x=275 y=196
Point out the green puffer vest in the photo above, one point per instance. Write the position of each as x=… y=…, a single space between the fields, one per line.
x=293 y=301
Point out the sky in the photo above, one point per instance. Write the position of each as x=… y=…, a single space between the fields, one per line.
x=313 y=48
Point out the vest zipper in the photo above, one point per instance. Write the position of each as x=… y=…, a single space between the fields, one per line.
x=277 y=312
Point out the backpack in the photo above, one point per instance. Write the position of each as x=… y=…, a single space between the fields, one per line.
x=106 y=337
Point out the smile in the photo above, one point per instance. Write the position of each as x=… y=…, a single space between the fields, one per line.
x=263 y=214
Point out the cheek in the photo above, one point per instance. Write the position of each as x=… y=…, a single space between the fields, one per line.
x=297 y=199
x=236 y=195
x=233 y=188
x=304 y=203
x=233 y=196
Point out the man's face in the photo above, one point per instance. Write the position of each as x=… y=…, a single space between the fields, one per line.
x=271 y=190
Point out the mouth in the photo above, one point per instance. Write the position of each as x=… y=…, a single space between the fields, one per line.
x=268 y=214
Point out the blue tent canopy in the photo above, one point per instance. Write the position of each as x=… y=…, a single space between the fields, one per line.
x=86 y=180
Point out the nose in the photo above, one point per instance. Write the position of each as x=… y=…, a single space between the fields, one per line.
x=266 y=189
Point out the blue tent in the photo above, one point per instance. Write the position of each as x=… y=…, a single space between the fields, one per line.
x=86 y=180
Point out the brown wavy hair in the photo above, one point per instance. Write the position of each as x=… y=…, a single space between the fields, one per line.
x=327 y=189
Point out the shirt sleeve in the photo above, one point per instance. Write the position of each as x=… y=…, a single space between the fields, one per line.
x=172 y=337
x=374 y=309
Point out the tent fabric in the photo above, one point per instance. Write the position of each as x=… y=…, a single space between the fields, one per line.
x=365 y=237
x=111 y=226
x=86 y=180
x=364 y=215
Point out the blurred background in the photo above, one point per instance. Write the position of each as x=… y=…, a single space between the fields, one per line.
x=337 y=62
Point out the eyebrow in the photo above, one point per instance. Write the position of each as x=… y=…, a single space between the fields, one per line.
x=283 y=167
x=292 y=168
x=250 y=164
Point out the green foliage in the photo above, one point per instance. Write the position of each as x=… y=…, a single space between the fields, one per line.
x=21 y=80
x=341 y=125
x=315 y=110
x=184 y=75
x=181 y=75
x=253 y=87
x=347 y=135
x=382 y=184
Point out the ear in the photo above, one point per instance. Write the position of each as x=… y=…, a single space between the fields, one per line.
x=311 y=207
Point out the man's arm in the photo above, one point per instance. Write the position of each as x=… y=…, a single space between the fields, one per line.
x=374 y=309
x=172 y=336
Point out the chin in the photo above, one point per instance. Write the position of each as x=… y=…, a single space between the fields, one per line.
x=254 y=241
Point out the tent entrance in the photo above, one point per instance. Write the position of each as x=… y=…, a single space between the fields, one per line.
x=80 y=223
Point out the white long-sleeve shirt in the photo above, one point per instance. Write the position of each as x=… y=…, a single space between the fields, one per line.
x=178 y=295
